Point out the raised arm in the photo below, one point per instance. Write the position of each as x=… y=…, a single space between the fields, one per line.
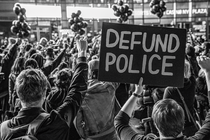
x=204 y=132
x=204 y=63
x=49 y=68
x=7 y=62
x=124 y=130
x=9 y=58
x=69 y=108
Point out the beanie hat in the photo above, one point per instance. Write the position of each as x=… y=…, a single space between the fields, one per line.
x=28 y=47
x=31 y=52
x=50 y=51
x=93 y=64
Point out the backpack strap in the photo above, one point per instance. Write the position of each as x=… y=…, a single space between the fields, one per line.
x=35 y=124
x=189 y=115
x=32 y=127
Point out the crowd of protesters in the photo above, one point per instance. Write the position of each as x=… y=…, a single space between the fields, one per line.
x=57 y=80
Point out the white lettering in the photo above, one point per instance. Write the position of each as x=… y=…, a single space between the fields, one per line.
x=170 y=43
x=123 y=33
x=164 y=65
x=152 y=42
x=108 y=44
x=160 y=43
x=133 y=42
x=150 y=64
x=108 y=61
x=130 y=70
x=144 y=63
x=122 y=56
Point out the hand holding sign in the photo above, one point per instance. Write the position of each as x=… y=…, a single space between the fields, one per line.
x=139 y=87
x=132 y=51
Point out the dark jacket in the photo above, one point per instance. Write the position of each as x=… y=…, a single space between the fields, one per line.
x=204 y=132
x=188 y=92
x=57 y=125
x=98 y=110
x=126 y=132
x=7 y=63
x=55 y=98
x=12 y=79
x=49 y=68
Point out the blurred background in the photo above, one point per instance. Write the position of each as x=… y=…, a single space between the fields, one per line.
x=49 y=18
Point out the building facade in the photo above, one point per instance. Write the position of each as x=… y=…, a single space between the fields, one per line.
x=47 y=16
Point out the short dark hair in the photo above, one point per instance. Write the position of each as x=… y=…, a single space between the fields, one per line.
x=31 y=85
x=28 y=47
x=31 y=52
x=18 y=65
x=31 y=63
x=168 y=117
x=63 y=78
x=39 y=59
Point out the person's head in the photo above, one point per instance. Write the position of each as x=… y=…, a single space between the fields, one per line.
x=62 y=65
x=63 y=78
x=187 y=71
x=28 y=47
x=200 y=39
x=39 y=59
x=6 y=42
x=43 y=41
x=52 y=42
x=11 y=40
x=168 y=117
x=31 y=86
x=93 y=67
x=39 y=47
x=190 y=50
x=31 y=63
x=50 y=52
x=18 y=65
x=94 y=57
x=206 y=48
x=31 y=52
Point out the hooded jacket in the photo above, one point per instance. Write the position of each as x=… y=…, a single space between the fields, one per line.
x=95 y=117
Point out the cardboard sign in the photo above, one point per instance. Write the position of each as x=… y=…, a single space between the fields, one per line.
x=129 y=52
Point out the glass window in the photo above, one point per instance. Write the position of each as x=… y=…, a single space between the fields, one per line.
x=68 y=1
x=46 y=1
x=27 y=1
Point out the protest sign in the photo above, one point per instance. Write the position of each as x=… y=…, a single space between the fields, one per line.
x=129 y=52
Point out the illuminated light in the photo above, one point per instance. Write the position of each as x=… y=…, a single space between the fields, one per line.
x=139 y=12
x=87 y=12
x=43 y=11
